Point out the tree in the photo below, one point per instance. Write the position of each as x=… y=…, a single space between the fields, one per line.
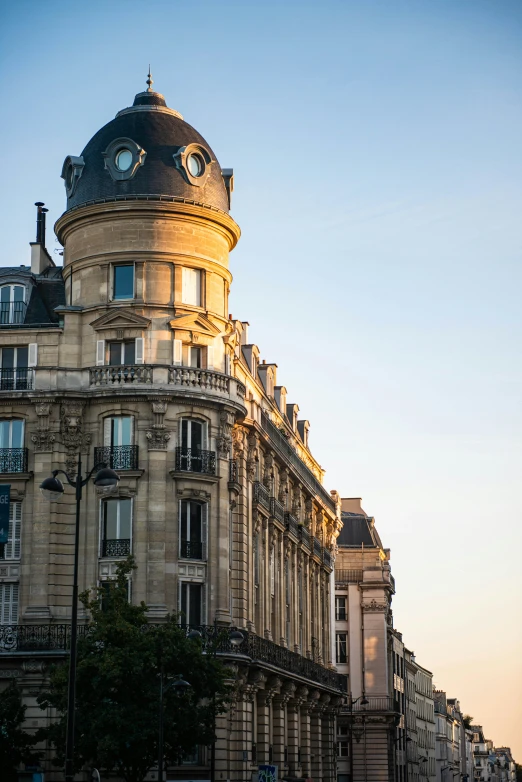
x=14 y=742
x=467 y=721
x=117 y=688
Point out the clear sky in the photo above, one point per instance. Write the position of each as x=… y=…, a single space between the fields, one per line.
x=376 y=149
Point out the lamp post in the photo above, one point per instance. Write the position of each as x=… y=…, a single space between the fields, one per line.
x=52 y=489
x=236 y=638
x=180 y=685
x=351 y=704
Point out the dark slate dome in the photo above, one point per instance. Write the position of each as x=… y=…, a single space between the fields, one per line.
x=158 y=139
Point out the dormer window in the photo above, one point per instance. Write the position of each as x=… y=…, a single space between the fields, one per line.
x=12 y=304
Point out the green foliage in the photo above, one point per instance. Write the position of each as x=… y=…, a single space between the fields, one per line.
x=117 y=688
x=14 y=742
x=518 y=768
x=467 y=721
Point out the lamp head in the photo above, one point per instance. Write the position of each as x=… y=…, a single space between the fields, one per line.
x=364 y=701
x=194 y=635
x=106 y=478
x=180 y=685
x=52 y=488
x=236 y=638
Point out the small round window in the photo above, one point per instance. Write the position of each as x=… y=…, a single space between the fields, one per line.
x=69 y=174
x=195 y=165
x=123 y=159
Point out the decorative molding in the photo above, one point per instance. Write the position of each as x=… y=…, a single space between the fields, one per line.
x=374 y=606
x=43 y=439
x=120 y=318
x=71 y=427
x=224 y=439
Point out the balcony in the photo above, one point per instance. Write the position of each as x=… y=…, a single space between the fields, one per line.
x=18 y=379
x=327 y=558
x=233 y=471
x=261 y=495
x=318 y=549
x=205 y=380
x=277 y=510
x=304 y=536
x=120 y=375
x=195 y=460
x=12 y=312
x=13 y=460
x=191 y=549
x=116 y=548
x=117 y=457
x=37 y=638
x=347 y=576
x=291 y=524
x=385 y=703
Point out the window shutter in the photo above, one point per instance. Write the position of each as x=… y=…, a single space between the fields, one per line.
x=184 y=285
x=139 y=350
x=107 y=432
x=210 y=357
x=32 y=356
x=100 y=352
x=203 y=604
x=9 y=604
x=177 y=353
x=197 y=287
x=204 y=529
x=12 y=549
x=227 y=363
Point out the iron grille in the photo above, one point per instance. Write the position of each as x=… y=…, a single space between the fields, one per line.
x=261 y=495
x=21 y=638
x=327 y=558
x=291 y=524
x=118 y=457
x=385 y=703
x=191 y=549
x=233 y=471
x=195 y=460
x=304 y=536
x=116 y=548
x=19 y=379
x=13 y=460
x=277 y=509
x=317 y=547
x=12 y=312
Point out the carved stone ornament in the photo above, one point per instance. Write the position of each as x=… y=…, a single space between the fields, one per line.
x=10 y=673
x=283 y=486
x=43 y=439
x=272 y=687
x=33 y=666
x=374 y=606
x=238 y=441
x=71 y=428
x=309 y=506
x=224 y=439
x=268 y=470
x=157 y=439
x=252 y=457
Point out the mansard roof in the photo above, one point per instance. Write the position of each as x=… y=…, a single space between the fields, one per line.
x=45 y=292
x=358 y=530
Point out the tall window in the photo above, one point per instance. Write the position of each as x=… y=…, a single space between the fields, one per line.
x=340 y=648
x=11 y=550
x=116 y=527
x=12 y=452
x=192 y=529
x=12 y=304
x=14 y=375
x=195 y=357
x=122 y=353
x=340 y=609
x=123 y=287
x=191 y=603
x=9 y=604
x=191 y=286
x=118 y=436
x=118 y=430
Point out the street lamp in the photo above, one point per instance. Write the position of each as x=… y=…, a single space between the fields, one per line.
x=236 y=638
x=180 y=685
x=52 y=489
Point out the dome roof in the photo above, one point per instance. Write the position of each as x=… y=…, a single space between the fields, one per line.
x=147 y=150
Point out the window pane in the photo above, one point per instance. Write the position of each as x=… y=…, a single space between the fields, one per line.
x=5 y=293
x=115 y=353
x=7 y=358
x=183 y=520
x=196 y=435
x=17 y=434
x=125 y=431
x=195 y=604
x=125 y=519
x=18 y=293
x=195 y=357
x=22 y=357
x=124 y=282
x=184 y=433
x=111 y=519
x=129 y=353
x=195 y=522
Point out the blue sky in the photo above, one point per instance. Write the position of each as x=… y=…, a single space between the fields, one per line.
x=376 y=150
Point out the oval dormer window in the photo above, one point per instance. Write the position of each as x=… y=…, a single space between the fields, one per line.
x=195 y=165
x=124 y=160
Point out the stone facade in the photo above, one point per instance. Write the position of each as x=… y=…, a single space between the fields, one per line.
x=163 y=385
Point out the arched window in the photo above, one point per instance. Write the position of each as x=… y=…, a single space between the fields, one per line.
x=12 y=304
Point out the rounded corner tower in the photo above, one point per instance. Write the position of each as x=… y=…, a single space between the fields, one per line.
x=147 y=191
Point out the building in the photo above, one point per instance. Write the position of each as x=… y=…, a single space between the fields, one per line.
x=128 y=355
x=387 y=726
x=450 y=738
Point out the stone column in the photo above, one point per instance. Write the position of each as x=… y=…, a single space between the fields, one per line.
x=306 y=710
x=328 y=745
x=278 y=733
x=293 y=731
x=316 y=745
x=263 y=727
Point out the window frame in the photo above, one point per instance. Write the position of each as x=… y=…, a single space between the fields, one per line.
x=183 y=582
x=103 y=522
x=9 y=608
x=115 y=297
x=203 y=527
x=12 y=319
x=339 y=618
x=339 y=646
x=13 y=547
x=197 y=282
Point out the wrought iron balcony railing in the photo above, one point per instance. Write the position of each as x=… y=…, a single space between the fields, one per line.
x=348 y=576
x=318 y=548
x=116 y=548
x=327 y=558
x=304 y=536
x=18 y=379
x=195 y=460
x=50 y=637
x=233 y=471
x=13 y=460
x=277 y=509
x=385 y=703
x=291 y=524
x=118 y=457
x=261 y=495
x=120 y=375
x=12 y=312
x=191 y=549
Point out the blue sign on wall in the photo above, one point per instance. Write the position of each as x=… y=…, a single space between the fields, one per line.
x=267 y=773
x=5 y=495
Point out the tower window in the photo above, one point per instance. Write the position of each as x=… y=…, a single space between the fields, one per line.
x=123 y=278
x=191 y=287
x=122 y=353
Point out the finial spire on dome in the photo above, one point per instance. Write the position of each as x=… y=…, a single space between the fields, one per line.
x=149 y=81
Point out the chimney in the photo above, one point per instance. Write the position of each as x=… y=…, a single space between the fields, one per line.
x=40 y=258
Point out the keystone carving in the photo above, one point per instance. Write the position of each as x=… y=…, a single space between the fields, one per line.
x=283 y=486
x=238 y=441
x=252 y=457
x=268 y=470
